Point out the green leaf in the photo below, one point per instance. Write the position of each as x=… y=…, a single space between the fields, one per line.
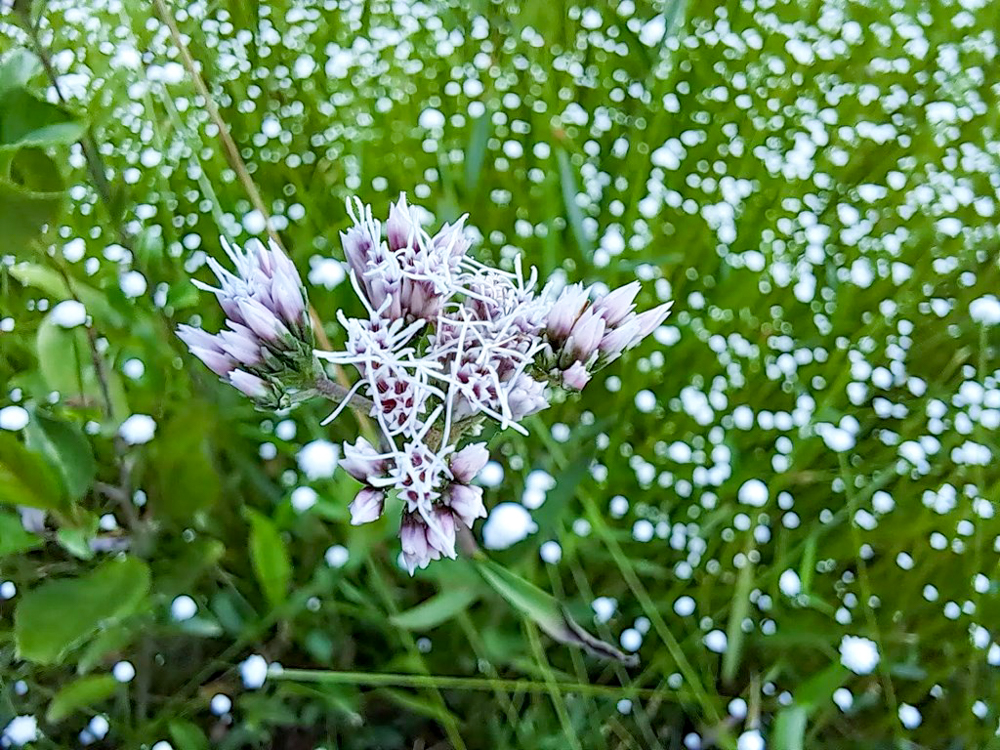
x=475 y=154
x=34 y=170
x=26 y=479
x=790 y=728
x=269 y=557
x=550 y=615
x=53 y=283
x=24 y=213
x=26 y=120
x=13 y=537
x=60 y=614
x=66 y=363
x=436 y=610
x=573 y=212
x=559 y=496
x=186 y=479
x=64 y=445
x=187 y=735
x=80 y=694
x=17 y=68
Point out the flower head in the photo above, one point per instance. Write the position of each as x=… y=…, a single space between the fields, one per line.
x=267 y=348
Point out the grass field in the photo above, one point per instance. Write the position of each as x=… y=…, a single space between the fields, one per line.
x=803 y=455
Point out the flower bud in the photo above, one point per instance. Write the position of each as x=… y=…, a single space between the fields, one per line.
x=526 y=397
x=650 y=320
x=249 y=384
x=565 y=312
x=413 y=540
x=616 y=305
x=362 y=461
x=585 y=338
x=576 y=377
x=619 y=339
x=219 y=363
x=241 y=344
x=466 y=502
x=468 y=462
x=262 y=321
x=441 y=533
x=401 y=228
x=367 y=505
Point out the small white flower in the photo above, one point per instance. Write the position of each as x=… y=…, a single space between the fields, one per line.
x=21 y=730
x=138 y=429
x=253 y=671
x=318 y=459
x=13 y=418
x=507 y=524
x=860 y=655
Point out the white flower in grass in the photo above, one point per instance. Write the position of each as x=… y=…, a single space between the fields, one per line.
x=860 y=655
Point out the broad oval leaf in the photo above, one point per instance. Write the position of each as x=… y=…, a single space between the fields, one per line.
x=26 y=478
x=59 y=614
x=64 y=445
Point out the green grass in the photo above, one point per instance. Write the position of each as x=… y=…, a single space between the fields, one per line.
x=581 y=130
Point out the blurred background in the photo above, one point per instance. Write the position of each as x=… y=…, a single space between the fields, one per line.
x=783 y=503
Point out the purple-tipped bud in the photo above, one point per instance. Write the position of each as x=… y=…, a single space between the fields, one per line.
x=413 y=539
x=401 y=228
x=650 y=320
x=468 y=462
x=576 y=377
x=618 y=339
x=357 y=245
x=362 y=461
x=220 y=364
x=526 y=397
x=585 y=338
x=616 y=305
x=441 y=533
x=289 y=302
x=197 y=337
x=241 y=344
x=466 y=502
x=565 y=312
x=249 y=384
x=367 y=506
x=452 y=238
x=262 y=321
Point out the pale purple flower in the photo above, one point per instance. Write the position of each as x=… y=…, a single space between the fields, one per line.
x=616 y=305
x=249 y=384
x=576 y=377
x=466 y=501
x=367 y=506
x=468 y=462
x=363 y=462
x=445 y=342
x=566 y=311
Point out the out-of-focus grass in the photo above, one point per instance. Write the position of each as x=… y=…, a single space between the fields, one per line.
x=813 y=183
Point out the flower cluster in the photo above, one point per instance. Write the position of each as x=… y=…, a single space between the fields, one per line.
x=268 y=347
x=445 y=343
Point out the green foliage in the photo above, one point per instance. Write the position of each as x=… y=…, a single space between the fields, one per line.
x=815 y=186
x=61 y=614
x=31 y=184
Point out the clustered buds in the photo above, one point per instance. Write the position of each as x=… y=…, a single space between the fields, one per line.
x=445 y=343
x=584 y=336
x=268 y=345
